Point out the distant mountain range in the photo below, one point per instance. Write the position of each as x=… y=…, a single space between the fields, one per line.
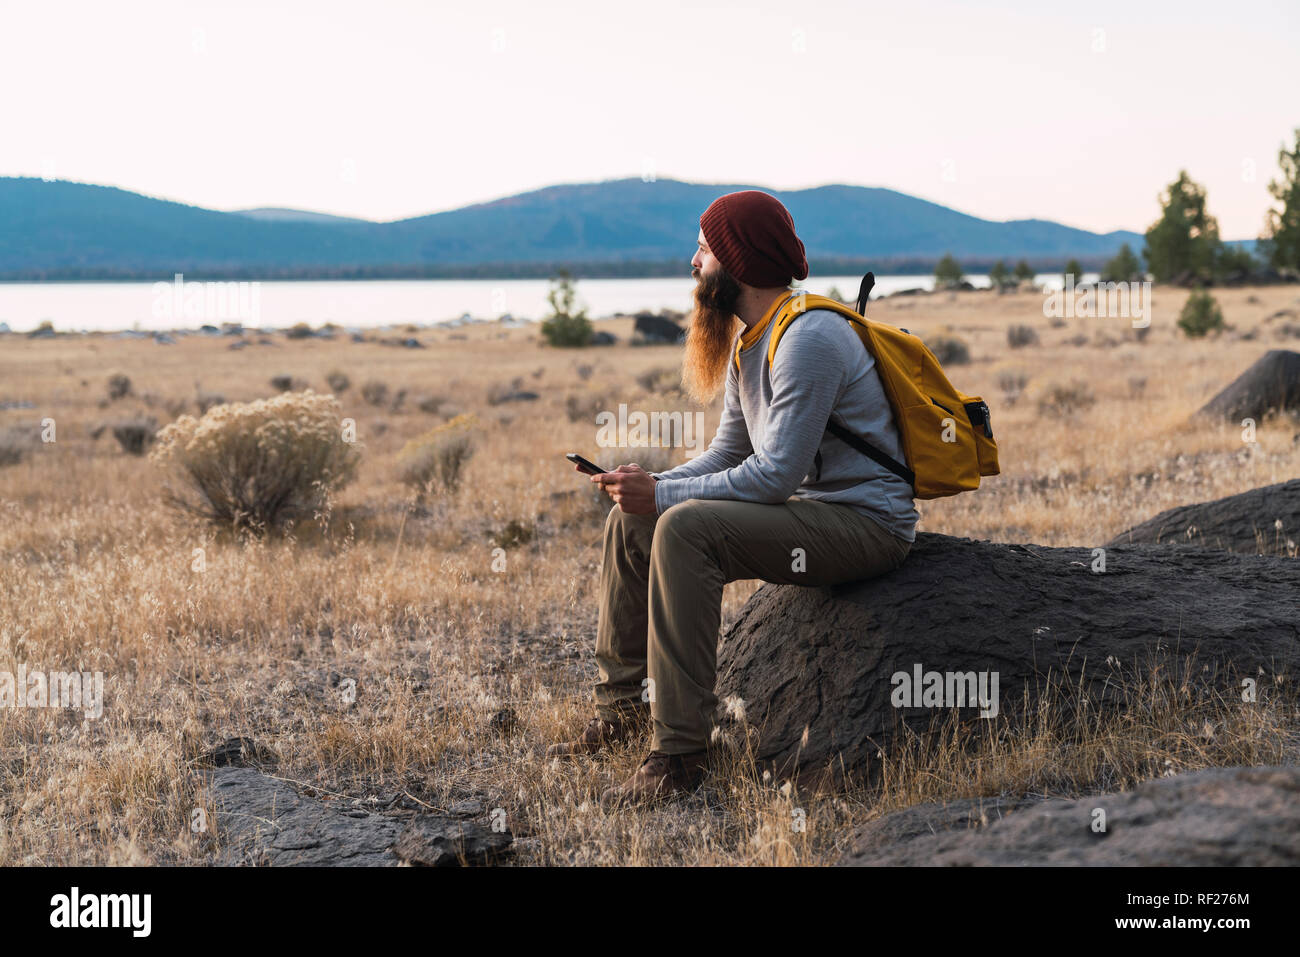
x=628 y=227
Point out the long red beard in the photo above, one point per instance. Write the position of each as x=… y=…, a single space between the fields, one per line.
x=710 y=336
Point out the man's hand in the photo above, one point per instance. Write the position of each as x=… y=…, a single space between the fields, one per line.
x=631 y=486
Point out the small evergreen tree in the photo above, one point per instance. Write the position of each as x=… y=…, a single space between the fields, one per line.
x=1234 y=260
x=1072 y=268
x=1123 y=268
x=998 y=274
x=948 y=273
x=567 y=326
x=1024 y=272
x=1201 y=314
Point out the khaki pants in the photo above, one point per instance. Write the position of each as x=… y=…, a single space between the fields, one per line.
x=661 y=581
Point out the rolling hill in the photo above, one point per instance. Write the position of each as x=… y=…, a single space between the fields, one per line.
x=59 y=229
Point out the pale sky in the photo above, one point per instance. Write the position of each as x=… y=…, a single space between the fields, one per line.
x=384 y=110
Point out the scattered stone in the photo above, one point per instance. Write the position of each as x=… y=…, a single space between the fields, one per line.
x=504 y=721
x=235 y=752
x=470 y=807
x=288 y=383
x=519 y=395
x=433 y=841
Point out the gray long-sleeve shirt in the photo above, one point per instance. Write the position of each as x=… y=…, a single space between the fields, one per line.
x=772 y=441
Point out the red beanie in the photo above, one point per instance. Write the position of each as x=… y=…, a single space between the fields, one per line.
x=753 y=236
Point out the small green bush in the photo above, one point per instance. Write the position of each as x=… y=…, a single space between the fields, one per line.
x=567 y=331
x=567 y=326
x=1200 y=315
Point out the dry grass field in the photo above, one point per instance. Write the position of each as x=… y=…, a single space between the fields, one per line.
x=464 y=672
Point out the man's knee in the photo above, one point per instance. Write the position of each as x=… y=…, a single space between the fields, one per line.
x=624 y=531
x=686 y=522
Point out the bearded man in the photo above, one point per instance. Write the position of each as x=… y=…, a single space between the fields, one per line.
x=774 y=497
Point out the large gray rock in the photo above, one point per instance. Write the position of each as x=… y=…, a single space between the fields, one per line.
x=1245 y=523
x=650 y=329
x=1236 y=817
x=1271 y=384
x=263 y=820
x=823 y=659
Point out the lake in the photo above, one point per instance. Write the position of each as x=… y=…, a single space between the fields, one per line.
x=112 y=306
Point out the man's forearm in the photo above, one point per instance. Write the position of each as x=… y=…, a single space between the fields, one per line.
x=711 y=460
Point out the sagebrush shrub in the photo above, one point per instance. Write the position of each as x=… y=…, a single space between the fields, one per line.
x=1066 y=398
x=1020 y=336
x=949 y=350
x=15 y=442
x=256 y=465
x=438 y=457
x=119 y=386
x=135 y=435
x=375 y=392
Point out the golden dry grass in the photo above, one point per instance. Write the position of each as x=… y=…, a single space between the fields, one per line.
x=96 y=575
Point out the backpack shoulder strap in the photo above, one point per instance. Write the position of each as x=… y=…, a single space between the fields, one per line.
x=796 y=307
x=792 y=311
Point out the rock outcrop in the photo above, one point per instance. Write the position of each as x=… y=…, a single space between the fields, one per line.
x=263 y=820
x=1245 y=523
x=821 y=662
x=650 y=329
x=1235 y=817
x=1271 y=384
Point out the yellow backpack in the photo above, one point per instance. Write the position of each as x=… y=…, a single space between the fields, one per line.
x=947 y=435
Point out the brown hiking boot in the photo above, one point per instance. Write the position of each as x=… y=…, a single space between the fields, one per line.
x=598 y=734
x=659 y=776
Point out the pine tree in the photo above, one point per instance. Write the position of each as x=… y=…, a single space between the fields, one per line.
x=948 y=273
x=1123 y=268
x=1186 y=238
x=1282 y=239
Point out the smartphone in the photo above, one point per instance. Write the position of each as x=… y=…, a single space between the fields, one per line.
x=591 y=468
